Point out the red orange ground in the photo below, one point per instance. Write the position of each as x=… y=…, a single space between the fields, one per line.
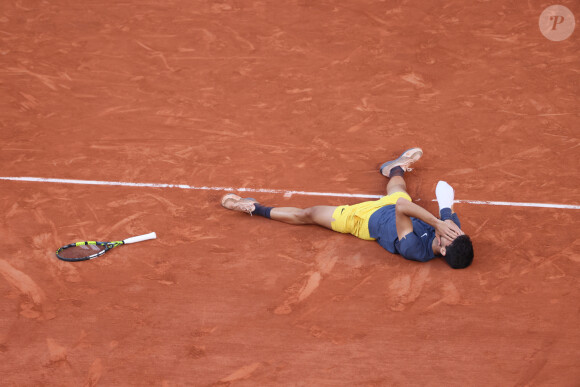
x=293 y=95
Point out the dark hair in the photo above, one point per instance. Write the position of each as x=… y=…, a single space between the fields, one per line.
x=459 y=254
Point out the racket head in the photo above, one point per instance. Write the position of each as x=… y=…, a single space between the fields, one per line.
x=83 y=251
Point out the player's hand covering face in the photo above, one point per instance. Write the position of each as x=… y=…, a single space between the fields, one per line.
x=447 y=230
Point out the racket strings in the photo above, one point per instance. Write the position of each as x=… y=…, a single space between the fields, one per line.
x=81 y=250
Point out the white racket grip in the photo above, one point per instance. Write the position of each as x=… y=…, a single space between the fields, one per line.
x=445 y=195
x=140 y=238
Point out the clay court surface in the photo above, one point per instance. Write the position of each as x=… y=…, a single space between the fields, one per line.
x=298 y=95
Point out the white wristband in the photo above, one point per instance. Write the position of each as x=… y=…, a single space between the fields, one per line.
x=445 y=195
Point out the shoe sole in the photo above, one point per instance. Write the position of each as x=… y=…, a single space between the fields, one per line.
x=229 y=196
x=234 y=197
x=412 y=155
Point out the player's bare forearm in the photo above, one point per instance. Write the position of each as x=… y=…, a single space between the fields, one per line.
x=411 y=209
x=406 y=209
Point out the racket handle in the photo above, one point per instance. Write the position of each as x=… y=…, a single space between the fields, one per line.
x=140 y=238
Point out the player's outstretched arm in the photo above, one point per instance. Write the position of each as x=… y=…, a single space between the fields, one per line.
x=405 y=209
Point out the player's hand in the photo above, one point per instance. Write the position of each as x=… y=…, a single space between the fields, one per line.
x=454 y=226
x=444 y=229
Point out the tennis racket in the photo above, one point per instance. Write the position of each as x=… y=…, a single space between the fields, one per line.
x=83 y=251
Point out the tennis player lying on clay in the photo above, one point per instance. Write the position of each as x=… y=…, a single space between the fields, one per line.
x=399 y=225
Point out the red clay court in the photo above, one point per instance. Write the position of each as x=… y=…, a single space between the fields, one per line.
x=285 y=96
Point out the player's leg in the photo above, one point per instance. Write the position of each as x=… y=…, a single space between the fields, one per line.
x=396 y=184
x=319 y=215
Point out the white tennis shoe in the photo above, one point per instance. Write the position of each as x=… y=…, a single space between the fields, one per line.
x=407 y=158
x=445 y=195
x=236 y=203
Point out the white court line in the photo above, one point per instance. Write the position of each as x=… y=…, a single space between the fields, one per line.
x=286 y=193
